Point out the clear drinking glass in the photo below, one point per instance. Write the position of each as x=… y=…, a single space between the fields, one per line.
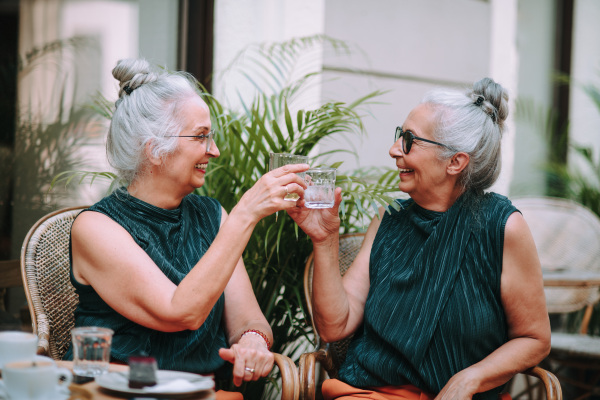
x=277 y=160
x=320 y=190
x=91 y=350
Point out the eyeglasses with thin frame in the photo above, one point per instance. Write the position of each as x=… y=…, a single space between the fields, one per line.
x=201 y=138
x=408 y=138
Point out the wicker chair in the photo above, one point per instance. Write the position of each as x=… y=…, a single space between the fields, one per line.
x=52 y=300
x=567 y=236
x=331 y=355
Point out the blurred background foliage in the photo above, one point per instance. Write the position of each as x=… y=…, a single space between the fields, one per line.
x=572 y=171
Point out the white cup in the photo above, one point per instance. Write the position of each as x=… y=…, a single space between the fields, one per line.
x=16 y=345
x=37 y=379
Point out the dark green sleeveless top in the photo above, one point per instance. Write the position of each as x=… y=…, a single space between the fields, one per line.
x=434 y=305
x=175 y=240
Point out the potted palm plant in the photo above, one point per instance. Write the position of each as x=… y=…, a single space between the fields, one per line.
x=268 y=122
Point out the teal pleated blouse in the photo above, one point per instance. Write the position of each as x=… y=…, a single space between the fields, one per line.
x=175 y=240
x=434 y=305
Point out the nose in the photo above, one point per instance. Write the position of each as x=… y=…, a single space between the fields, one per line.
x=213 y=152
x=396 y=149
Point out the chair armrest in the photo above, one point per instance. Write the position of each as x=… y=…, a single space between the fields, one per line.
x=290 y=386
x=43 y=333
x=553 y=389
x=307 y=370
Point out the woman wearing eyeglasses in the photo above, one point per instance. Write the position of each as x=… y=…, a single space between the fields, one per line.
x=445 y=298
x=159 y=265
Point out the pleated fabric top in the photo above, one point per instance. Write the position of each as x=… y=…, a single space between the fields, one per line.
x=434 y=305
x=175 y=240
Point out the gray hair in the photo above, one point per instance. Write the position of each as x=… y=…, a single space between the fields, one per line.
x=472 y=121
x=147 y=110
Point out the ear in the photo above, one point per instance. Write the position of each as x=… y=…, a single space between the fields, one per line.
x=458 y=163
x=149 y=154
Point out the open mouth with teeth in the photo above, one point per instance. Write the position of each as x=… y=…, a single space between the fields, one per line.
x=201 y=166
x=405 y=170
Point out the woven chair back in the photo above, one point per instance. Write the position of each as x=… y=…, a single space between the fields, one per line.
x=45 y=268
x=567 y=237
x=349 y=246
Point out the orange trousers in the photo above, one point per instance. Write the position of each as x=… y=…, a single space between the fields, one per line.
x=223 y=395
x=338 y=390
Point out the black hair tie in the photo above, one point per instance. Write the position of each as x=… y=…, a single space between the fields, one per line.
x=127 y=89
x=479 y=100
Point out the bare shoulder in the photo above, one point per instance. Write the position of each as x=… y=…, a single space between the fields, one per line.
x=516 y=230
x=91 y=223
x=374 y=225
x=96 y=233
x=520 y=256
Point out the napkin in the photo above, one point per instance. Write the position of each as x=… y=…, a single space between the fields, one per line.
x=174 y=386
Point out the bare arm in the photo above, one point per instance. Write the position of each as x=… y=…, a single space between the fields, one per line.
x=242 y=313
x=339 y=303
x=524 y=304
x=107 y=257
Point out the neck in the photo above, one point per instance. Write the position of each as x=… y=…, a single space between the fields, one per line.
x=440 y=200
x=155 y=191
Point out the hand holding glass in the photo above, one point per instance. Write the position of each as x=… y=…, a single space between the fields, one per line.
x=277 y=160
x=320 y=191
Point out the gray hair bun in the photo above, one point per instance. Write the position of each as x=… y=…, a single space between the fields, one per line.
x=133 y=73
x=492 y=98
x=473 y=122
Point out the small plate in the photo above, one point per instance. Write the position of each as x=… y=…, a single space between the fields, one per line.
x=119 y=382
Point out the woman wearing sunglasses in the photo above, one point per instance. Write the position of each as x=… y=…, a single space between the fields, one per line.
x=445 y=298
x=159 y=265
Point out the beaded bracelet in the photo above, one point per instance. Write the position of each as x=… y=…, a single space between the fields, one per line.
x=259 y=333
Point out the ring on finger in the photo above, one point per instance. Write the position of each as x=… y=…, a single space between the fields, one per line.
x=251 y=370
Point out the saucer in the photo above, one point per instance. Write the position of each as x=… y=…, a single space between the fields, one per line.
x=168 y=383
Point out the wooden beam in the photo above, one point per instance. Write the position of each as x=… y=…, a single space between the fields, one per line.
x=10 y=274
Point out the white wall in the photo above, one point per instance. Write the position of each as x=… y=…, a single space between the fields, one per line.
x=585 y=70
x=409 y=47
x=504 y=61
x=158 y=31
x=535 y=44
x=239 y=24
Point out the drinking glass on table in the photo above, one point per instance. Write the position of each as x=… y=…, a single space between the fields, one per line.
x=320 y=188
x=277 y=160
x=91 y=350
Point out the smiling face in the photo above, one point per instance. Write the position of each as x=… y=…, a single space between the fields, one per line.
x=422 y=173
x=186 y=167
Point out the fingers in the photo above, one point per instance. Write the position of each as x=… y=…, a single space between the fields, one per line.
x=285 y=180
x=290 y=168
x=227 y=355
x=249 y=364
x=338 y=198
x=294 y=188
x=285 y=190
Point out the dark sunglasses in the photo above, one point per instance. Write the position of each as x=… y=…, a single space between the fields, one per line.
x=408 y=138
